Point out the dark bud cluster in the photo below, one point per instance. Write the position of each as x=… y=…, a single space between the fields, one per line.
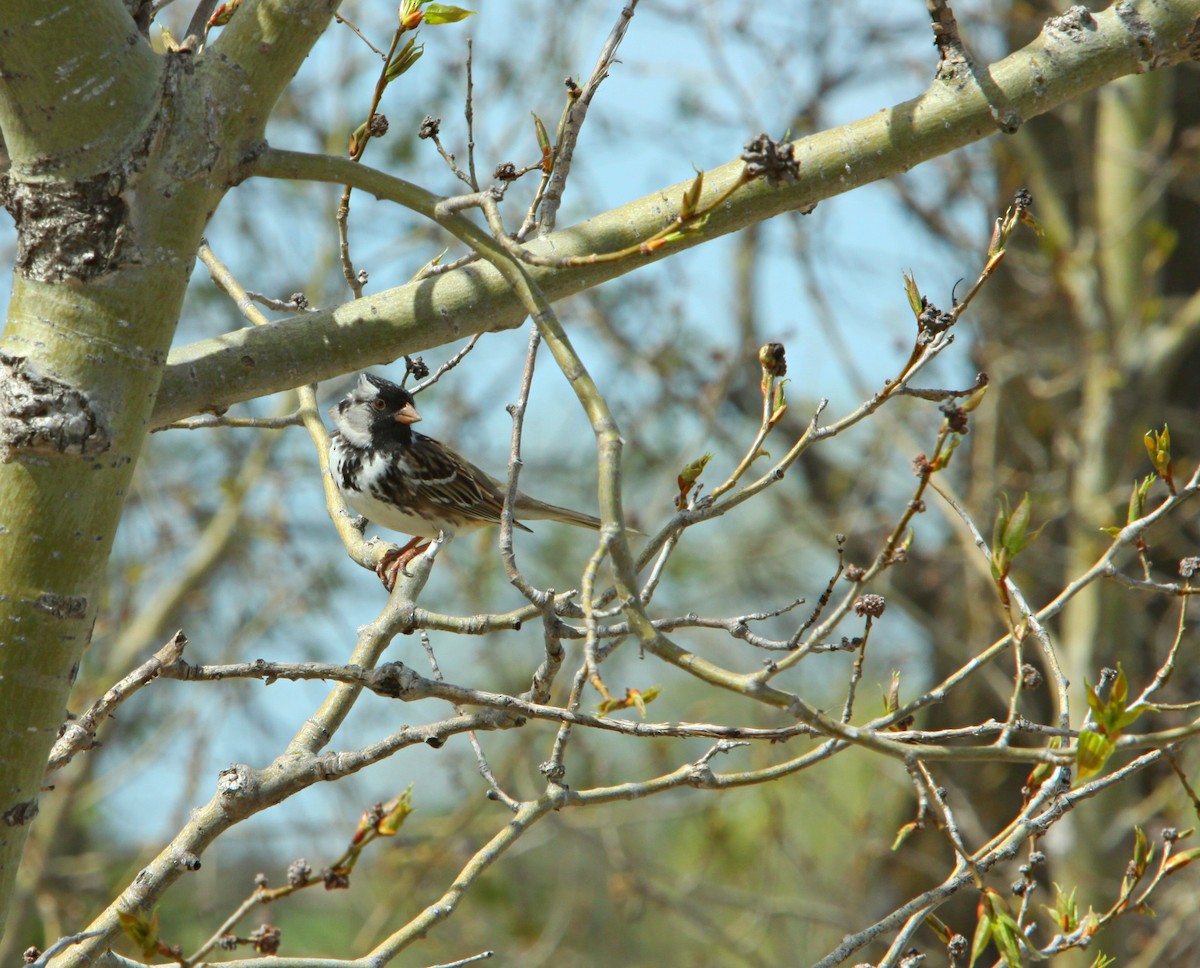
x=417 y=366
x=872 y=605
x=1188 y=567
x=506 y=171
x=772 y=160
x=377 y=127
x=1023 y=200
x=931 y=321
x=956 y=418
x=266 y=938
x=299 y=872
x=430 y=127
x=773 y=358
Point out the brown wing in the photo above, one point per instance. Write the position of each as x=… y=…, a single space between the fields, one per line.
x=444 y=485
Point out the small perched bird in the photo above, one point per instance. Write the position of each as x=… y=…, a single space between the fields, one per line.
x=410 y=483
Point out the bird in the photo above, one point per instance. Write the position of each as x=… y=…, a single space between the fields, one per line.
x=413 y=484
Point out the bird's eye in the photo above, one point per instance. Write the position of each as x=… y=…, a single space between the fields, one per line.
x=379 y=404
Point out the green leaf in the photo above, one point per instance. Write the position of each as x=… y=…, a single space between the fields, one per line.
x=904 y=833
x=1143 y=852
x=1018 y=524
x=915 y=301
x=983 y=934
x=1094 y=703
x=891 y=698
x=691 y=196
x=1119 y=693
x=1065 y=912
x=939 y=927
x=974 y=400
x=441 y=13
x=1092 y=753
x=403 y=59
x=1010 y=534
x=395 y=812
x=1181 y=860
x=1131 y=716
x=1137 y=499
x=1158 y=446
x=543 y=136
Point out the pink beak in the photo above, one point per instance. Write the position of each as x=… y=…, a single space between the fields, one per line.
x=407 y=414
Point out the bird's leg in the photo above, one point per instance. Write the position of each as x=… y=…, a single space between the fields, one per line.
x=392 y=563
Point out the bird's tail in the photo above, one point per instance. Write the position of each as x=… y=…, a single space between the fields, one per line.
x=531 y=509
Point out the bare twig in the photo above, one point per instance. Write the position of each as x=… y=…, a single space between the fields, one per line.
x=79 y=733
x=577 y=112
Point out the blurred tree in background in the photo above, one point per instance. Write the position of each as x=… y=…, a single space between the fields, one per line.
x=747 y=795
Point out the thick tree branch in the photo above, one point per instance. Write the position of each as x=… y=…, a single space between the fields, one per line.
x=1073 y=55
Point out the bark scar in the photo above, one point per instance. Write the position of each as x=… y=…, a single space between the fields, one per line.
x=42 y=415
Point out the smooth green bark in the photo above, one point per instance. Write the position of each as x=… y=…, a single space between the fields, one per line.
x=105 y=137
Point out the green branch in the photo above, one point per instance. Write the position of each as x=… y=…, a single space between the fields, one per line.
x=1059 y=65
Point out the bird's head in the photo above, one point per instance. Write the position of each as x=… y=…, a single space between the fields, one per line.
x=375 y=412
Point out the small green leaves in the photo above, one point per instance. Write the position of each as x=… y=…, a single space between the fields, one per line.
x=891 y=698
x=1042 y=772
x=891 y=705
x=998 y=925
x=1112 y=718
x=141 y=929
x=687 y=479
x=1091 y=753
x=1010 y=535
x=634 y=699
x=403 y=59
x=395 y=812
x=1137 y=505
x=222 y=15
x=440 y=13
x=1158 y=446
x=1065 y=911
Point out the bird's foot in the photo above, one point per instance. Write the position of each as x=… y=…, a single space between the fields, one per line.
x=392 y=565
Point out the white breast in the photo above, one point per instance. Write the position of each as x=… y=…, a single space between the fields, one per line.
x=372 y=508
